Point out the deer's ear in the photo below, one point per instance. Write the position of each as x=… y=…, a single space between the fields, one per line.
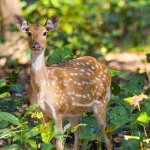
x=52 y=22
x=21 y=23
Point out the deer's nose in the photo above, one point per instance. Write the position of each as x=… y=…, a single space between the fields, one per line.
x=35 y=46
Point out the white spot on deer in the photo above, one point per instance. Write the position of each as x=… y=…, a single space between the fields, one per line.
x=96 y=87
x=76 y=74
x=88 y=73
x=69 y=93
x=88 y=95
x=84 y=96
x=53 y=82
x=92 y=67
x=74 y=82
x=82 y=105
x=99 y=103
x=70 y=79
x=82 y=70
x=79 y=84
x=87 y=63
x=97 y=66
x=78 y=63
x=72 y=74
x=103 y=79
x=72 y=98
x=78 y=95
x=83 y=64
x=99 y=94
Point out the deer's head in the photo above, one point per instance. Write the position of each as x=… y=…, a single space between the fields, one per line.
x=36 y=33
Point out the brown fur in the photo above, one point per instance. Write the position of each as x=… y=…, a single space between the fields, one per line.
x=37 y=35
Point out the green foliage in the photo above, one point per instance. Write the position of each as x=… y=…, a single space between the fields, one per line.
x=131 y=144
x=48 y=147
x=128 y=110
x=23 y=133
x=60 y=55
x=11 y=147
x=19 y=128
x=108 y=25
x=47 y=131
x=9 y=118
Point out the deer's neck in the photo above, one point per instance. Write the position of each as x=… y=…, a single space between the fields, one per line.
x=38 y=67
x=38 y=62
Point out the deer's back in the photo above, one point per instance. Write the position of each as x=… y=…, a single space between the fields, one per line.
x=79 y=83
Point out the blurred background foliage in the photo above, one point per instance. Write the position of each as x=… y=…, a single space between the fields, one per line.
x=94 y=27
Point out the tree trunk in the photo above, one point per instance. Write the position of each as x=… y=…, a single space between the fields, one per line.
x=8 y=8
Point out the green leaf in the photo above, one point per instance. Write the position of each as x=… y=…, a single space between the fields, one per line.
x=73 y=129
x=18 y=88
x=132 y=144
x=118 y=111
x=5 y=94
x=120 y=120
x=147 y=106
x=143 y=117
x=47 y=131
x=115 y=72
x=128 y=100
x=60 y=55
x=5 y=133
x=18 y=137
x=4 y=89
x=66 y=54
x=31 y=109
x=31 y=133
x=112 y=128
x=119 y=115
x=13 y=77
x=2 y=82
x=39 y=115
x=3 y=124
x=87 y=136
x=55 y=57
x=11 y=147
x=32 y=143
x=48 y=147
x=115 y=88
x=9 y=117
x=133 y=84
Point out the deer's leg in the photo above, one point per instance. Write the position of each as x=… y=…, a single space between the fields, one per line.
x=73 y=122
x=58 y=122
x=100 y=113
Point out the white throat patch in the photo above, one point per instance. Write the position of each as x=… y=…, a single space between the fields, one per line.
x=38 y=61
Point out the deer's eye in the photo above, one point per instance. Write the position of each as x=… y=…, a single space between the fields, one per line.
x=29 y=34
x=45 y=33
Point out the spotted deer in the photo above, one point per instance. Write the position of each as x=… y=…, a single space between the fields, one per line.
x=66 y=90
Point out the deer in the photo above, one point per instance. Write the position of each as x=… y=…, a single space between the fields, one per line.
x=68 y=89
